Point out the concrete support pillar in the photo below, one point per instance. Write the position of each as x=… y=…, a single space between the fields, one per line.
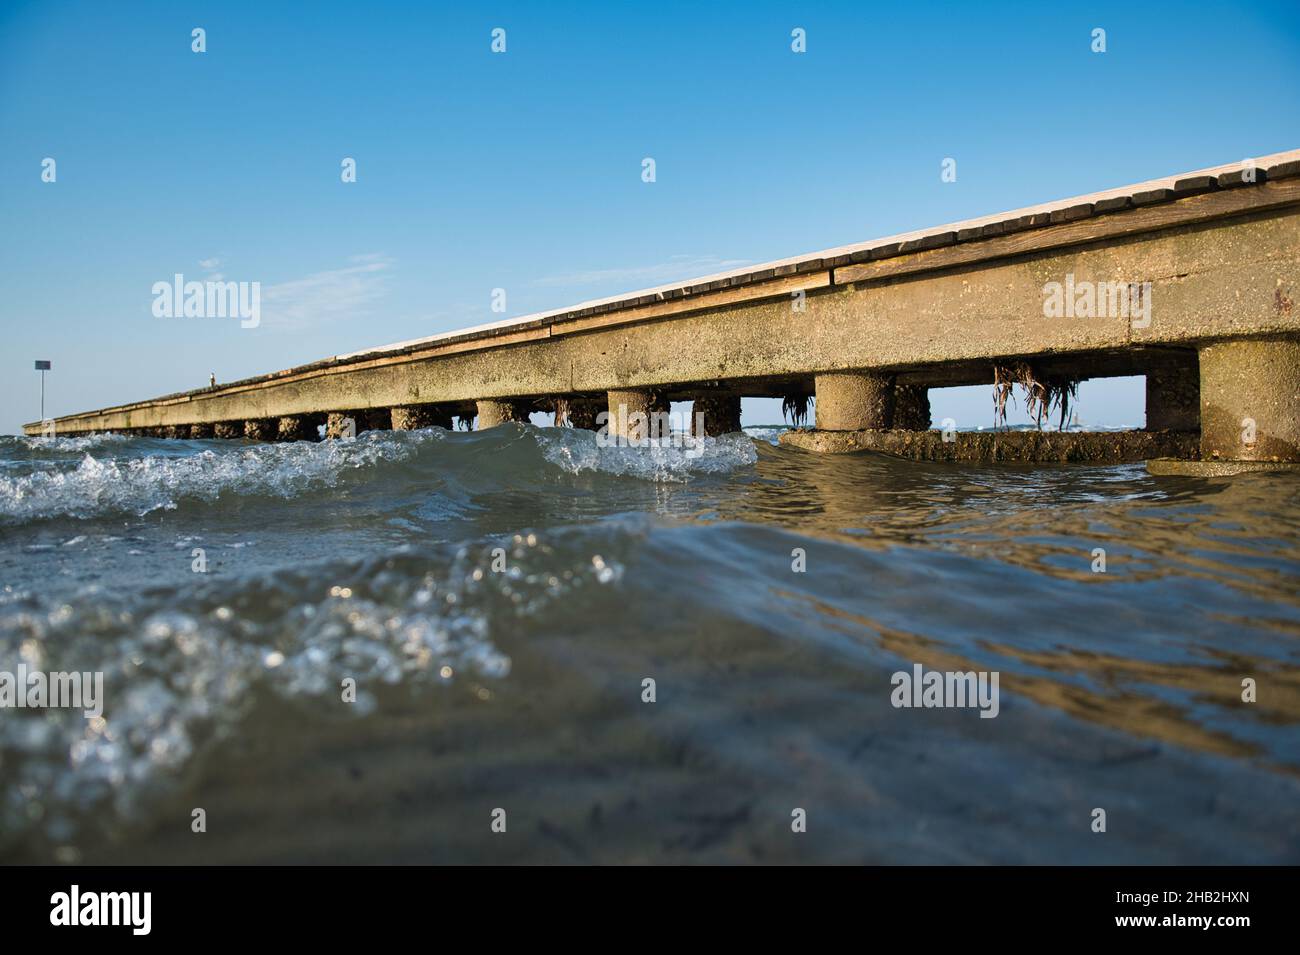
x=413 y=417
x=492 y=413
x=911 y=408
x=374 y=419
x=1174 y=398
x=176 y=431
x=636 y=414
x=577 y=413
x=854 y=402
x=721 y=415
x=228 y=429
x=298 y=428
x=201 y=431
x=260 y=429
x=342 y=424
x=1250 y=400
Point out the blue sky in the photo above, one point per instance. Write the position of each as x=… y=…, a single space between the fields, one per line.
x=522 y=170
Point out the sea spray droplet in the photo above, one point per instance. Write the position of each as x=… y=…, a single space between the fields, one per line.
x=181 y=672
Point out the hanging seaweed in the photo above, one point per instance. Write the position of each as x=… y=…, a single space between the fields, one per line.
x=563 y=411
x=794 y=408
x=1044 y=394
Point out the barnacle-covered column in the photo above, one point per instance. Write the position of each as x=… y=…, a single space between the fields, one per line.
x=636 y=414
x=721 y=415
x=854 y=402
x=911 y=408
x=492 y=412
x=414 y=417
x=260 y=429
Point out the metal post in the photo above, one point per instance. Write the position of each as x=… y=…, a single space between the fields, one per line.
x=42 y=365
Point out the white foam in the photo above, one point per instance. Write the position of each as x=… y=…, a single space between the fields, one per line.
x=106 y=484
x=576 y=450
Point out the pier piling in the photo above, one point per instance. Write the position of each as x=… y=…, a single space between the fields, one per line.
x=721 y=414
x=1250 y=401
x=911 y=408
x=854 y=402
x=414 y=417
x=299 y=427
x=1174 y=397
x=492 y=413
x=637 y=414
x=260 y=429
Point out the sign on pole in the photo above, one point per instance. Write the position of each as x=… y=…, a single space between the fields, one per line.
x=42 y=366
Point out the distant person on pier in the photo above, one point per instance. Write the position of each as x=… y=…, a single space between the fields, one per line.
x=212 y=379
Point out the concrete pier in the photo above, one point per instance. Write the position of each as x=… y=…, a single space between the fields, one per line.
x=1250 y=401
x=911 y=408
x=261 y=429
x=299 y=428
x=342 y=424
x=578 y=413
x=493 y=413
x=854 y=402
x=721 y=414
x=201 y=431
x=1174 y=397
x=1192 y=280
x=414 y=417
x=637 y=414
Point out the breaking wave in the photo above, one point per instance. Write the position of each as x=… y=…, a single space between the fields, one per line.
x=181 y=669
x=107 y=474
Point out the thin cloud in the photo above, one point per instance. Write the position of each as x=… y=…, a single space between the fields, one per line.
x=325 y=295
